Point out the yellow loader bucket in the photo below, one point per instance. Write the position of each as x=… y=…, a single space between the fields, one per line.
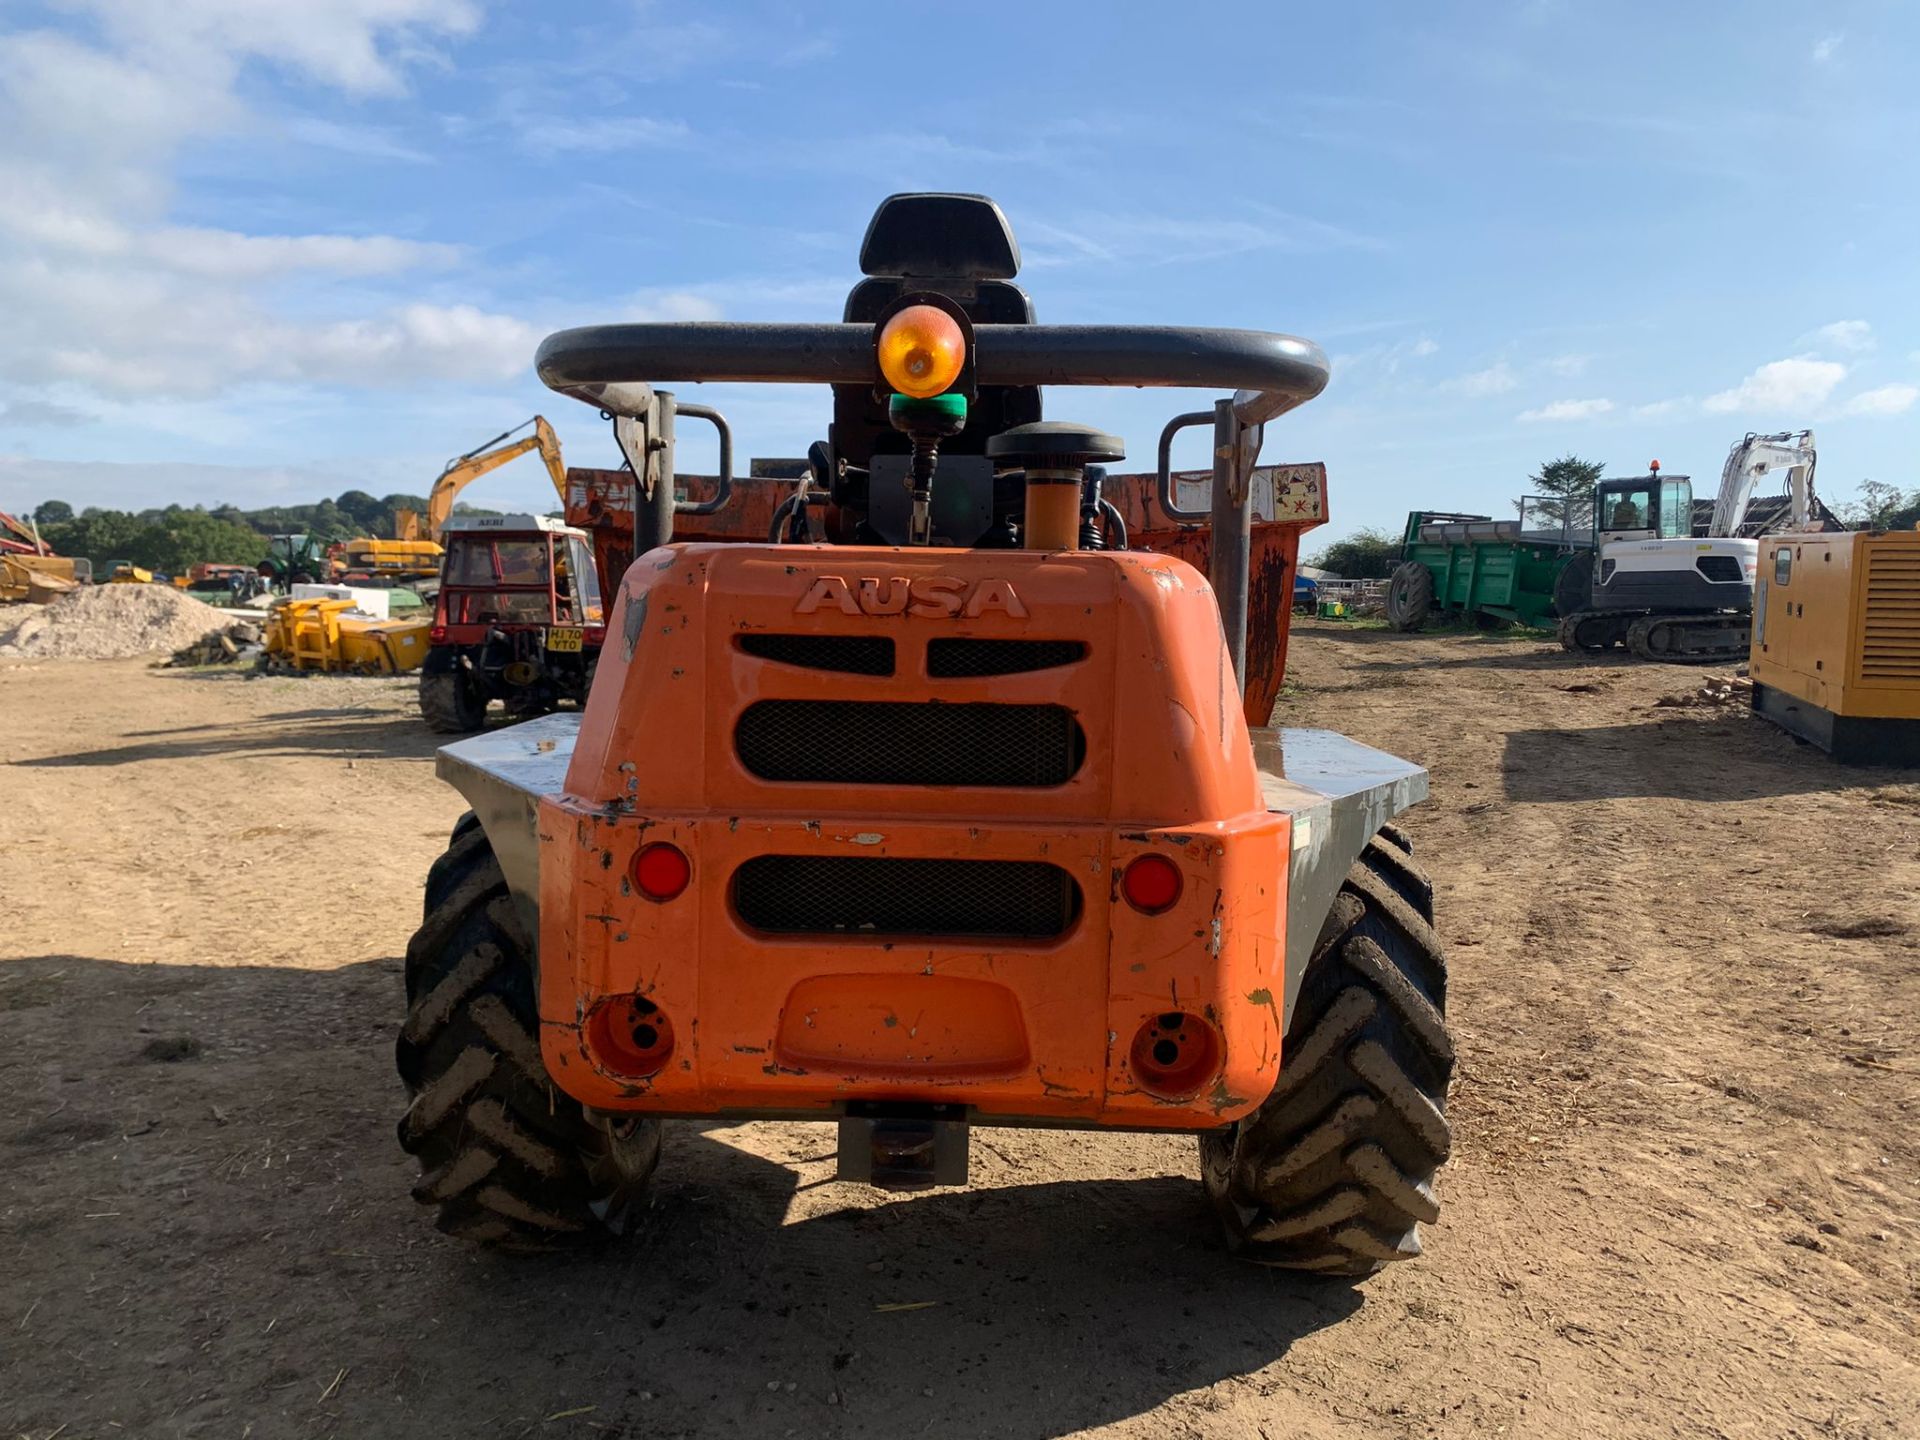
x=325 y=634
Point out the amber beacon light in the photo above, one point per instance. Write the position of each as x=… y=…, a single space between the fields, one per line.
x=922 y=351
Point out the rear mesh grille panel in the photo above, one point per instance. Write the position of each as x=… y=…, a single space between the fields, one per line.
x=969 y=659
x=1890 y=648
x=843 y=654
x=1721 y=569
x=836 y=895
x=858 y=742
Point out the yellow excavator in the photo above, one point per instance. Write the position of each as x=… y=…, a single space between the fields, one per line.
x=463 y=470
x=415 y=551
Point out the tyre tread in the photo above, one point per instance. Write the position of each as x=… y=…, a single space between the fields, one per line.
x=1334 y=1172
x=506 y=1157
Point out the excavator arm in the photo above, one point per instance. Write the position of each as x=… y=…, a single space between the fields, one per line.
x=1791 y=450
x=463 y=470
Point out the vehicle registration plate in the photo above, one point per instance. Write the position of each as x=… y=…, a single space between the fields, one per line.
x=565 y=637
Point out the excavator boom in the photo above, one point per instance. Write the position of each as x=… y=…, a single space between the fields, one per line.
x=463 y=470
x=1756 y=455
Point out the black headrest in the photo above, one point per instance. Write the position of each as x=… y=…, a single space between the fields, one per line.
x=960 y=237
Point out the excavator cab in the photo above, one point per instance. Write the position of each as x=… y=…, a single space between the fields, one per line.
x=1651 y=507
x=949 y=820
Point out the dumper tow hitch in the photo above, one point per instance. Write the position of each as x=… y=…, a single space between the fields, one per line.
x=893 y=1147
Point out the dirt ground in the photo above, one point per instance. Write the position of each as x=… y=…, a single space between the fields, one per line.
x=1684 y=1199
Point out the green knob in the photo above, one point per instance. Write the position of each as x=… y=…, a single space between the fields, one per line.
x=939 y=414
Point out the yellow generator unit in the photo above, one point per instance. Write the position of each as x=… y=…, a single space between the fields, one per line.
x=329 y=634
x=1836 y=642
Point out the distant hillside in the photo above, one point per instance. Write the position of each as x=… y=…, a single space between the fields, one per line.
x=170 y=540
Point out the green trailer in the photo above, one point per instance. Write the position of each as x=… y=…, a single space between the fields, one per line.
x=1473 y=566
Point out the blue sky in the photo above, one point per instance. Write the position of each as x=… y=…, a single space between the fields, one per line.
x=263 y=252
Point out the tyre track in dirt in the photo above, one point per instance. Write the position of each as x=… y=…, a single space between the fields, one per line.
x=1670 y=1081
x=1655 y=1115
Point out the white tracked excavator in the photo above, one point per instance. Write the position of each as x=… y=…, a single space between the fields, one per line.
x=1649 y=582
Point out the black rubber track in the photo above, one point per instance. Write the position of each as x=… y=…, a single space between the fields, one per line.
x=1585 y=633
x=449 y=705
x=1410 y=596
x=1334 y=1172
x=507 y=1158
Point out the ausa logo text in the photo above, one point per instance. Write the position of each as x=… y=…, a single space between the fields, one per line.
x=942 y=597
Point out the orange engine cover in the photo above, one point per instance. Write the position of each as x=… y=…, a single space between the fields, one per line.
x=908 y=785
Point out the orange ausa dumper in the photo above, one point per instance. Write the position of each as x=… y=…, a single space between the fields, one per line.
x=942 y=810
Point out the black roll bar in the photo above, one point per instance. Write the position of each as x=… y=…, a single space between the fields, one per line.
x=1269 y=374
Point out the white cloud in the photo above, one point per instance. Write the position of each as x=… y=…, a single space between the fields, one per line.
x=448 y=342
x=1567 y=366
x=1496 y=379
x=105 y=298
x=1568 y=410
x=1884 y=400
x=226 y=255
x=1386 y=359
x=1825 y=47
x=40 y=413
x=601 y=133
x=369 y=142
x=1144 y=238
x=1798 y=384
x=1850 y=336
x=674 y=305
x=337 y=42
x=1663 y=409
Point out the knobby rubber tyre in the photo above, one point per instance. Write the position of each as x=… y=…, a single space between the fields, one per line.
x=1334 y=1172
x=1410 y=596
x=450 y=705
x=506 y=1157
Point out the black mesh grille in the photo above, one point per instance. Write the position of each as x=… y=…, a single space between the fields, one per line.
x=966 y=659
x=846 y=654
x=835 y=895
x=1719 y=568
x=858 y=742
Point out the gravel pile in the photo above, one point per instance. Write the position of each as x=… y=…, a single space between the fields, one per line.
x=106 y=622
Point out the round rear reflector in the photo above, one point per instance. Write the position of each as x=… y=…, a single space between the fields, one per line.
x=1151 y=883
x=1176 y=1055
x=660 y=872
x=630 y=1035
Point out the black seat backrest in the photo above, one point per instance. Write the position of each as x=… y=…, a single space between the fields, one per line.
x=959 y=246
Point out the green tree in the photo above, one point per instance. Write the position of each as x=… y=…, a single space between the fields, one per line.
x=1363 y=555
x=1880 y=506
x=369 y=515
x=184 y=538
x=1566 y=486
x=175 y=541
x=101 y=536
x=52 y=512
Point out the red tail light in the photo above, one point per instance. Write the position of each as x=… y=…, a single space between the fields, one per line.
x=660 y=872
x=1151 y=884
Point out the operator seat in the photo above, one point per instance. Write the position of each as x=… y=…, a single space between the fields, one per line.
x=959 y=246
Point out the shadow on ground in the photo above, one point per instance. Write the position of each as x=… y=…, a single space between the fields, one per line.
x=1494 y=650
x=351 y=733
x=208 y=1229
x=1730 y=756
